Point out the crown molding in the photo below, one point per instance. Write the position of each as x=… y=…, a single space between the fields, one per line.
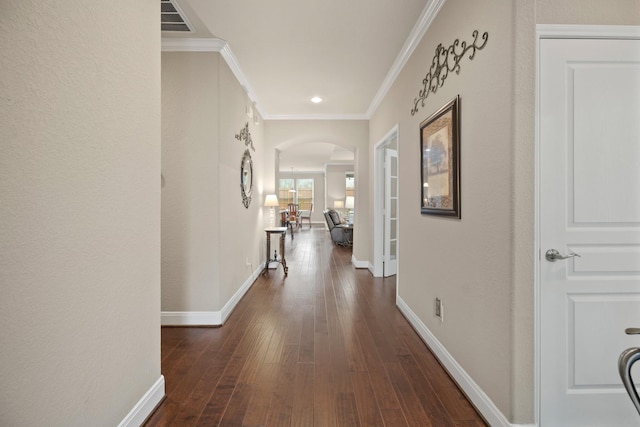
x=234 y=65
x=424 y=22
x=316 y=117
x=555 y=31
x=214 y=45
x=185 y=44
x=218 y=45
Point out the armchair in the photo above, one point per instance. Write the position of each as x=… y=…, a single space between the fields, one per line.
x=341 y=234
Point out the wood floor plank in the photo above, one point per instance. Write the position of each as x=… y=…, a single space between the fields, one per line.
x=258 y=407
x=409 y=401
x=347 y=410
x=303 y=392
x=368 y=407
x=325 y=346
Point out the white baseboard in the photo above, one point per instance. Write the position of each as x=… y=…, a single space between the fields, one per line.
x=235 y=299
x=359 y=264
x=372 y=270
x=145 y=406
x=478 y=397
x=209 y=318
x=191 y=318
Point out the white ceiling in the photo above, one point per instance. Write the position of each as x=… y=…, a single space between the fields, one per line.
x=344 y=51
x=312 y=156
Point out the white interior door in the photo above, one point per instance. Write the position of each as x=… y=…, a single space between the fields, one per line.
x=390 y=212
x=589 y=183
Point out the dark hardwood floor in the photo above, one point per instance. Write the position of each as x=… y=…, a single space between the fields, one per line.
x=325 y=346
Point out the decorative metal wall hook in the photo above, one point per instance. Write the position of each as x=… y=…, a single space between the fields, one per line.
x=444 y=61
x=245 y=136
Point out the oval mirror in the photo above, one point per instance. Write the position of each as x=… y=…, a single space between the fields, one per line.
x=246 y=178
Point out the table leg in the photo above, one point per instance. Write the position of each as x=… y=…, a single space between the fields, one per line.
x=284 y=261
x=266 y=264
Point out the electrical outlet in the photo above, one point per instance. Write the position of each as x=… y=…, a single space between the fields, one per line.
x=439 y=309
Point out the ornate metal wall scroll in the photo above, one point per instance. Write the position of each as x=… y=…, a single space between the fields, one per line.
x=444 y=61
x=245 y=136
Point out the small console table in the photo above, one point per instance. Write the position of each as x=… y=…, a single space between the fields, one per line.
x=282 y=231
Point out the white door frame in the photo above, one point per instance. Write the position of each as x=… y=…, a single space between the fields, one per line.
x=557 y=32
x=378 y=199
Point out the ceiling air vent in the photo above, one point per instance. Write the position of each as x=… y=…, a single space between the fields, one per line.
x=172 y=18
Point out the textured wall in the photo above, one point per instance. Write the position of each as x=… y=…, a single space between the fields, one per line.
x=489 y=304
x=464 y=262
x=79 y=209
x=204 y=223
x=190 y=192
x=336 y=183
x=242 y=236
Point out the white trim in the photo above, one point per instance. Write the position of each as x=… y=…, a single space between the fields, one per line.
x=234 y=65
x=427 y=16
x=544 y=31
x=317 y=117
x=536 y=240
x=359 y=264
x=169 y=44
x=214 y=45
x=209 y=318
x=371 y=269
x=235 y=299
x=550 y=31
x=378 y=194
x=419 y=29
x=191 y=318
x=145 y=406
x=476 y=395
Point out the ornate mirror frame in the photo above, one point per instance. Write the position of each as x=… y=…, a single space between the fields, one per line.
x=246 y=178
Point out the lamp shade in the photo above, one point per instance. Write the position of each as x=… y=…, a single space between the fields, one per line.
x=349 y=202
x=338 y=204
x=271 y=201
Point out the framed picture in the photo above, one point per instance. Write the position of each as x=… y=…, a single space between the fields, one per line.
x=440 y=161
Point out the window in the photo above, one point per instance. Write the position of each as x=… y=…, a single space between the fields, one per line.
x=305 y=193
x=350 y=184
x=285 y=195
x=302 y=193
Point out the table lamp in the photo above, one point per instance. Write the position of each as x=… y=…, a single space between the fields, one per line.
x=349 y=204
x=271 y=201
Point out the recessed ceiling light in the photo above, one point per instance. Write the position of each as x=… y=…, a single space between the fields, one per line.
x=316 y=100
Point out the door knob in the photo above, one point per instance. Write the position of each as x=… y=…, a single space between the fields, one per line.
x=552 y=255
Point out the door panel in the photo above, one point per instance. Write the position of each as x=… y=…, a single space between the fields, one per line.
x=390 y=213
x=589 y=205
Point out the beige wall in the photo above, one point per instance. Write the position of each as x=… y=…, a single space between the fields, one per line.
x=242 y=236
x=204 y=223
x=336 y=184
x=489 y=313
x=350 y=134
x=80 y=209
x=190 y=189
x=476 y=297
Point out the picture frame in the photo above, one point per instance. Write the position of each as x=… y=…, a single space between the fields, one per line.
x=440 y=162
